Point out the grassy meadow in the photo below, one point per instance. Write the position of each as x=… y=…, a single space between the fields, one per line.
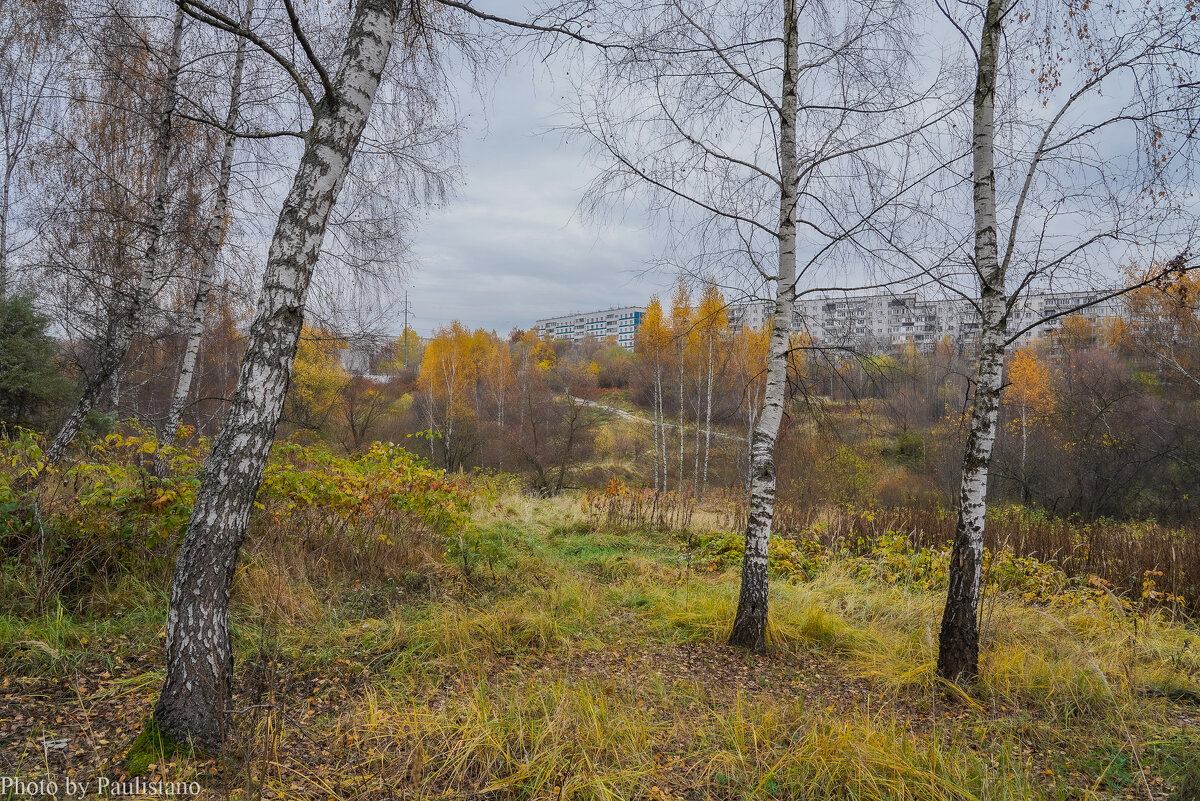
x=402 y=634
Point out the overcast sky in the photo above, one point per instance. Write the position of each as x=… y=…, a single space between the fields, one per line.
x=512 y=246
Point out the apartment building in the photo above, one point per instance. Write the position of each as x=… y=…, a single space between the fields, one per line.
x=887 y=320
x=752 y=315
x=621 y=323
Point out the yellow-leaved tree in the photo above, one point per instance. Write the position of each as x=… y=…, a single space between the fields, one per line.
x=408 y=350
x=1163 y=321
x=653 y=345
x=748 y=353
x=496 y=373
x=1031 y=396
x=710 y=333
x=318 y=379
x=681 y=326
x=448 y=383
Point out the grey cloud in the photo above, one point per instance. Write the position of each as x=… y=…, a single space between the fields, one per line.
x=512 y=247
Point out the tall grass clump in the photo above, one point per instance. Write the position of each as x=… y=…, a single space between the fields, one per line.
x=597 y=739
x=623 y=508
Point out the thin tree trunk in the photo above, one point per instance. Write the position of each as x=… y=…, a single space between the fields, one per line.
x=566 y=457
x=448 y=440
x=432 y=423
x=1025 y=493
x=199 y=659
x=4 y=201
x=696 y=454
x=660 y=443
x=116 y=346
x=657 y=426
x=214 y=235
x=662 y=427
x=958 y=643
x=681 y=429
x=708 y=417
x=750 y=623
x=749 y=439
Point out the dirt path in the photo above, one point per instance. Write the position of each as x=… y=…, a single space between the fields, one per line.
x=624 y=415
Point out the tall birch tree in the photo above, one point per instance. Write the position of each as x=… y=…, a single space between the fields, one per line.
x=653 y=342
x=713 y=321
x=1053 y=195
x=681 y=328
x=127 y=315
x=214 y=236
x=338 y=103
x=751 y=123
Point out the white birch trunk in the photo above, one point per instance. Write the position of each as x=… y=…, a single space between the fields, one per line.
x=749 y=439
x=451 y=390
x=958 y=644
x=659 y=433
x=708 y=417
x=5 y=193
x=214 y=235
x=656 y=405
x=696 y=446
x=681 y=429
x=432 y=424
x=1024 y=453
x=662 y=457
x=199 y=660
x=129 y=314
x=750 y=623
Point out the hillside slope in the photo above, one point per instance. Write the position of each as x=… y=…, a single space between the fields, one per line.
x=557 y=656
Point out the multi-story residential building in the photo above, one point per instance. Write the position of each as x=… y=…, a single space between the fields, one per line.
x=871 y=323
x=621 y=323
x=886 y=320
x=753 y=314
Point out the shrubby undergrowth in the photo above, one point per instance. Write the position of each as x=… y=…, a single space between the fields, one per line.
x=105 y=516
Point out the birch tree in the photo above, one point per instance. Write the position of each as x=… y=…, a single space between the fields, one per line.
x=1053 y=194
x=652 y=343
x=450 y=374
x=713 y=323
x=127 y=315
x=758 y=121
x=681 y=326
x=214 y=236
x=338 y=103
x=1031 y=390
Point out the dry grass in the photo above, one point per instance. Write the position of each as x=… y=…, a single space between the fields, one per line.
x=1123 y=554
x=591 y=665
x=604 y=739
x=274 y=596
x=532 y=695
